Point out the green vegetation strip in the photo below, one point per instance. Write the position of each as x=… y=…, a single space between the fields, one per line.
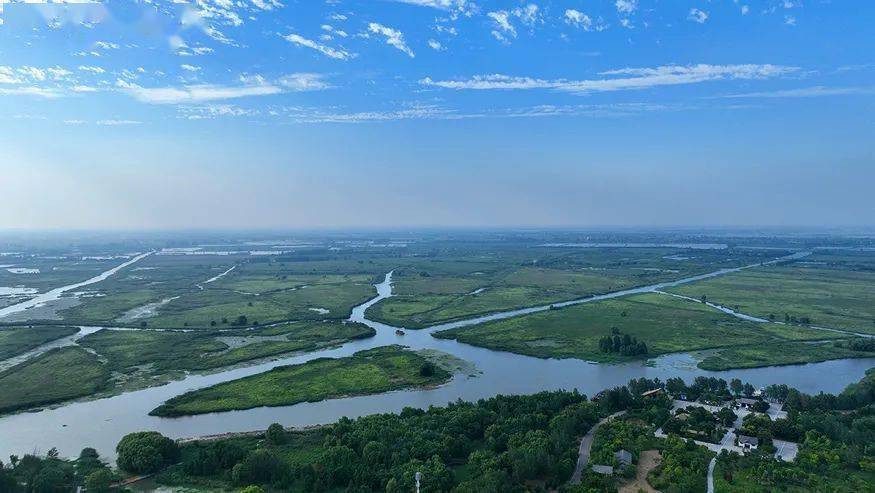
x=790 y=353
x=19 y=340
x=366 y=372
x=55 y=376
x=835 y=298
x=665 y=324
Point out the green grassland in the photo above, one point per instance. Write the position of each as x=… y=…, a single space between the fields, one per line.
x=835 y=298
x=445 y=289
x=264 y=290
x=367 y=372
x=666 y=324
x=19 y=340
x=53 y=271
x=55 y=376
x=784 y=353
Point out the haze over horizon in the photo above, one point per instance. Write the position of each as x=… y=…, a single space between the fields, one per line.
x=451 y=113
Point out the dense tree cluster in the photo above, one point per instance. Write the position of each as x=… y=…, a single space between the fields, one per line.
x=505 y=441
x=51 y=474
x=623 y=344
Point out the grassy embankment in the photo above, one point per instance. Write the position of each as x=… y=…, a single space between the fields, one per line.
x=665 y=324
x=367 y=372
x=55 y=376
x=19 y=340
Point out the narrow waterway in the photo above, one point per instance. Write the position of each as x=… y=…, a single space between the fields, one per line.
x=56 y=293
x=101 y=423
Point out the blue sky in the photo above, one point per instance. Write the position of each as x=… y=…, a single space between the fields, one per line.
x=436 y=112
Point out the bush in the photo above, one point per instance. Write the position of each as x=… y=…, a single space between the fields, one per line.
x=146 y=452
x=275 y=434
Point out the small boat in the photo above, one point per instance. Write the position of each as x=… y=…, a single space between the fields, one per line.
x=399 y=332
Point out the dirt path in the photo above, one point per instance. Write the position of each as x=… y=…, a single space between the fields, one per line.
x=586 y=447
x=647 y=460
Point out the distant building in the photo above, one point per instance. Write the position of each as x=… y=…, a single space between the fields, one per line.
x=745 y=402
x=624 y=457
x=748 y=443
x=606 y=470
x=652 y=393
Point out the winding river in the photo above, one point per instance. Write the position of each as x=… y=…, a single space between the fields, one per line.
x=101 y=423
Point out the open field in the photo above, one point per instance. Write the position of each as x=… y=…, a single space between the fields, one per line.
x=367 y=372
x=827 y=297
x=18 y=340
x=204 y=291
x=665 y=324
x=55 y=376
x=782 y=353
x=44 y=272
x=461 y=286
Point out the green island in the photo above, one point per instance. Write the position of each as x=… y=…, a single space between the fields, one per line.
x=811 y=294
x=664 y=324
x=19 y=340
x=57 y=375
x=511 y=443
x=120 y=360
x=459 y=285
x=366 y=372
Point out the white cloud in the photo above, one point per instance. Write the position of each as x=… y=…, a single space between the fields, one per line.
x=338 y=54
x=41 y=92
x=393 y=37
x=194 y=94
x=105 y=45
x=455 y=7
x=697 y=15
x=745 y=10
x=633 y=78
x=805 y=92
x=626 y=6
x=80 y=88
x=304 y=82
x=113 y=123
x=435 y=45
x=502 y=21
x=190 y=68
x=789 y=20
x=578 y=19
x=92 y=69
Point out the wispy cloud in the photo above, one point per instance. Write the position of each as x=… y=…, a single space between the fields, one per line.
x=805 y=92
x=628 y=78
x=251 y=85
x=335 y=53
x=697 y=15
x=393 y=37
x=195 y=93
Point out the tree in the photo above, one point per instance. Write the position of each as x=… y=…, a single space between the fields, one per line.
x=99 y=481
x=726 y=416
x=275 y=434
x=736 y=386
x=761 y=406
x=146 y=452
x=748 y=389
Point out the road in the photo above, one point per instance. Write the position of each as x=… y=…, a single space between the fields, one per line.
x=711 y=474
x=586 y=448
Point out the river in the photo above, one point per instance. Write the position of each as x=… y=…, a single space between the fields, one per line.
x=101 y=423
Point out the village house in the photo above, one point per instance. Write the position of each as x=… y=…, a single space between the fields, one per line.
x=748 y=443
